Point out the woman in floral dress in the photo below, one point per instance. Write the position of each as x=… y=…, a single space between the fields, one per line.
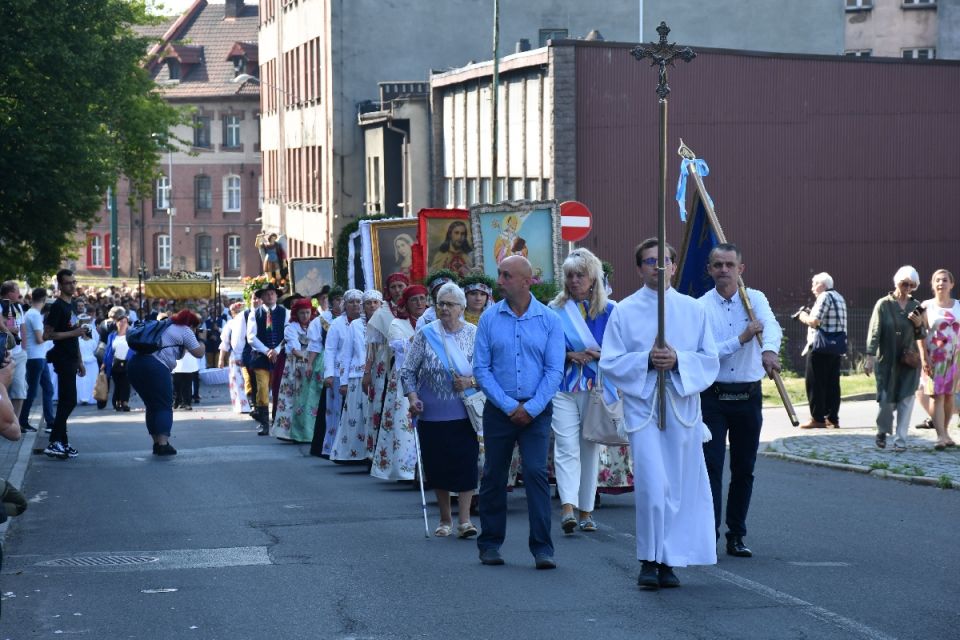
x=293 y=421
x=939 y=353
x=353 y=433
x=376 y=370
x=395 y=453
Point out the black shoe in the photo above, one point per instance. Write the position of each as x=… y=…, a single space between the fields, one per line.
x=166 y=450
x=491 y=557
x=27 y=429
x=648 y=576
x=666 y=578
x=926 y=424
x=544 y=561
x=264 y=429
x=125 y=408
x=196 y=399
x=735 y=547
x=881 y=440
x=156 y=448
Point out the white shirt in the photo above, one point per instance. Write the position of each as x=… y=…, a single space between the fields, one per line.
x=291 y=338
x=132 y=316
x=625 y=356
x=354 y=351
x=120 y=347
x=727 y=320
x=252 y=328
x=337 y=336
x=33 y=321
x=315 y=333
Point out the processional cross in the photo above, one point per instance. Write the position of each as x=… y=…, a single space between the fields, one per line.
x=662 y=55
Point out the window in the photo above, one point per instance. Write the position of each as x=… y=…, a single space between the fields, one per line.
x=231 y=193
x=545 y=192
x=203 y=193
x=173 y=67
x=920 y=54
x=858 y=53
x=484 y=190
x=471 y=191
x=552 y=34
x=859 y=5
x=204 y=253
x=163 y=251
x=911 y=4
x=233 y=253
x=231 y=131
x=94 y=250
x=533 y=189
x=161 y=198
x=201 y=132
x=459 y=197
x=501 y=193
x=516 y=188
x=448 y=190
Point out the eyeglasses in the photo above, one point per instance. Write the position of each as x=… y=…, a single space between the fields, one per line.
x=906 y=284
x=447 y=305
x=652 y=262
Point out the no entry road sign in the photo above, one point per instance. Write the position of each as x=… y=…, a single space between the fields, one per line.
x=575 y=221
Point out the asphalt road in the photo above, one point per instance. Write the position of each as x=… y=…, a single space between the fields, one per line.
x=244 y=537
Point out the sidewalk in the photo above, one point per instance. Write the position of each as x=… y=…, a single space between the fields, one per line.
x=852 y=447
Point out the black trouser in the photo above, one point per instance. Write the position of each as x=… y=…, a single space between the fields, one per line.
x=182 y=386
x=196 y=385
x=121 y=384
x=740 y=421
x=66 y=401
x=823 y=386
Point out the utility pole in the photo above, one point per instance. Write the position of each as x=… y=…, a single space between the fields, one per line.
x=496 y=99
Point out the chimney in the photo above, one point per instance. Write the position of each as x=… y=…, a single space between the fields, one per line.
x=232 y=8
x=594 y=36
x=523 y=45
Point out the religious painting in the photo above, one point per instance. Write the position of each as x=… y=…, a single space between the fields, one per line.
x=392 y=247
x=309 y=275
x=530 y=229
x=446 y=240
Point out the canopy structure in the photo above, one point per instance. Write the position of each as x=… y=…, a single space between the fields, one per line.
x=180 y=289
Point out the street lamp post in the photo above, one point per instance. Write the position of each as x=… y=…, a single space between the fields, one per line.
x=171 y=210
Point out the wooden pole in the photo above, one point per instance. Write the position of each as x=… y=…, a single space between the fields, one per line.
x=744 y=298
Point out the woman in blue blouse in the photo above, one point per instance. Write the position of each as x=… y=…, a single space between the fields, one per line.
x=584 y=309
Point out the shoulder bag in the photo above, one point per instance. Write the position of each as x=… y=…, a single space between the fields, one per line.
x=474 y=402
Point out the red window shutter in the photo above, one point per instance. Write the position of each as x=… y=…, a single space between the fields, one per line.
x=106 y=250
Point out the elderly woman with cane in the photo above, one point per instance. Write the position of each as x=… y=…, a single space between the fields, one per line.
x=436 y=373
x=895 y=326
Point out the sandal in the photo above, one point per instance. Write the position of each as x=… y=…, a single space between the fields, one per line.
x=568 y=523
x=587 y=524
x=443 y=530
x=940 y=446
x=466 y=530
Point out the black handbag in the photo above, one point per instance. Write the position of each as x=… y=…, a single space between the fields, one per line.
x=830 y=342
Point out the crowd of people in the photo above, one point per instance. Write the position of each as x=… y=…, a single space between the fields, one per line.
x=492 y=393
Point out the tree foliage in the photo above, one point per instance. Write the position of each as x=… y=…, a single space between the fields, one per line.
x=77 y=110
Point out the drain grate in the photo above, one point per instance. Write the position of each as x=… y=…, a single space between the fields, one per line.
x=98 y=561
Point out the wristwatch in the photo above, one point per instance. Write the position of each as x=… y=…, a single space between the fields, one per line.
x=473 y=382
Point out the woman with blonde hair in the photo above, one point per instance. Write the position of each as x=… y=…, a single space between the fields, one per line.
x=584 y=309
x=939 y=353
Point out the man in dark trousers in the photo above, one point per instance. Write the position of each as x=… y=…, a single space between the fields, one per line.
x=265 y=335
x=732 y=405
x=64 y=328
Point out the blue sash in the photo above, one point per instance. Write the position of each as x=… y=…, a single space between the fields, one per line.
x=569 y=315
x=456 y=363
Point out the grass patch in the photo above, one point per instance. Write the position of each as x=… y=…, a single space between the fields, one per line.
x=845 y=460
x=945 y=481
x=797 y=390
x=814 y=455
x=879 y=464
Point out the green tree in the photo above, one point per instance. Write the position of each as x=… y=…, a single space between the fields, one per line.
x=77 y=110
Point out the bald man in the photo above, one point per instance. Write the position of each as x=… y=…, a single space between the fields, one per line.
x=518 y=362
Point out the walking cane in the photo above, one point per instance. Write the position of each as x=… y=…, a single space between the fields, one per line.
x=423 y=496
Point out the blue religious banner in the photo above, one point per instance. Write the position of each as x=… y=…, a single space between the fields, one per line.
x=699 y=239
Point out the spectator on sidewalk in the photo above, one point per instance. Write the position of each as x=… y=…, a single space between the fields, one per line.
x=12 y=324
x=115 y=359
x=9 y=427
x=829 y=314
x=940 y=353
x=63 y=327
x=36 y=357
x=895 y=326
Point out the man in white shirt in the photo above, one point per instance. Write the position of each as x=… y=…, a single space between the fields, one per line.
x=674 y=507
x=36 y=357
x=732 y=405
x=265 y=328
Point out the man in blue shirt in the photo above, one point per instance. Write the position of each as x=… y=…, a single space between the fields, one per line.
x=518 y=362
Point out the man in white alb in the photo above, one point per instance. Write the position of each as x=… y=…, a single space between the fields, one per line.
x=672 y=490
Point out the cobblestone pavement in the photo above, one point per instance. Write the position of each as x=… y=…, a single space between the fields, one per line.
x=854 y=449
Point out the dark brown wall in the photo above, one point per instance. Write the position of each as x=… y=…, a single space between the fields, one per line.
x=848 y=166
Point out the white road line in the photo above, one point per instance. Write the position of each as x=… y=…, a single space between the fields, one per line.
x=851 y=626
x=819 y=564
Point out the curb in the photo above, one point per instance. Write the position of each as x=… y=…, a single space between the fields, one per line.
x=926 y=481
x=20 y=470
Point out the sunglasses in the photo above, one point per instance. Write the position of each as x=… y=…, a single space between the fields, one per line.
x=652 y=262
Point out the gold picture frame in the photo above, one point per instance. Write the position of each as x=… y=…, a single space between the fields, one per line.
x=391 y=247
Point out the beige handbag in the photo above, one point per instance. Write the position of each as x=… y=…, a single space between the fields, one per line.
x=473 y=404
x=601 y=422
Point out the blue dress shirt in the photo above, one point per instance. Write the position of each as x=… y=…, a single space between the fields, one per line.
x=519 y=357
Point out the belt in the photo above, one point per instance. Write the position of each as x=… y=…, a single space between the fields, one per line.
x=730 y=391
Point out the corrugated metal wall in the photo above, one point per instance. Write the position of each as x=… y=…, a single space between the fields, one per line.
x=848 y=166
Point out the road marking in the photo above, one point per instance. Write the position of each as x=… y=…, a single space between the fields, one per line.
x=852 y=626
x=820 y=564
